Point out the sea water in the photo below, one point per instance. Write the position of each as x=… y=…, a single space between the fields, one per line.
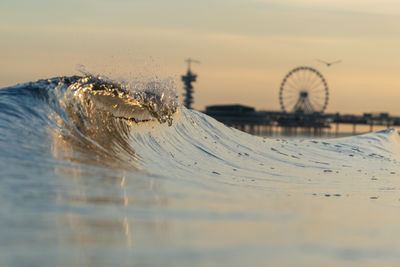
x=97 y=173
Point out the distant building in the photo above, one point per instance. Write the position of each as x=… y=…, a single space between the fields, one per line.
x=188 y=79
x=228 y=110
x=188 y=95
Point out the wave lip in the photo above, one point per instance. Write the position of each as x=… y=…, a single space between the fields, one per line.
x=115 y=98
x=95 y=106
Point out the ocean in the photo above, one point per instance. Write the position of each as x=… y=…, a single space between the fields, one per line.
x=100 y=173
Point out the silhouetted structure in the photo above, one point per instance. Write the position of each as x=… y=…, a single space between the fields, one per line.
x=187 y=80
x=248 y=119
x=303 y=90
x=303 y=97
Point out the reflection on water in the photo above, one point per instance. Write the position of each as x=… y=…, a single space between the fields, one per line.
x=94 y=216
x=103 y=202
x=334 y=131
x=94 y=137
x=106 y=212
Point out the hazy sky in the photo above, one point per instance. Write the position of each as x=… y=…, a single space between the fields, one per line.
x=245 y=47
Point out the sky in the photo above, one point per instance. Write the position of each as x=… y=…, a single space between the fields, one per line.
x=245 y=47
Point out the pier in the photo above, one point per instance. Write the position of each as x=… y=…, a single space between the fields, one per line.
x=247 y=119
x=303 y=98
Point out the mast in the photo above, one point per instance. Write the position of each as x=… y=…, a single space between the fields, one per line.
x=188 y=79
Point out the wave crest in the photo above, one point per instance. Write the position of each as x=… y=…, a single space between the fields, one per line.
x=116 y=98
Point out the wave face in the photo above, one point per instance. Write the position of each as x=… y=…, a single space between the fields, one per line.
x=88 y=117
x=96 y=172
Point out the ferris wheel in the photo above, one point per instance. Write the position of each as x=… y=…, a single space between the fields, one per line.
x=303 y=90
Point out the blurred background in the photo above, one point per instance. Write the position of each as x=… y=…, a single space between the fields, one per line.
x=246 y=47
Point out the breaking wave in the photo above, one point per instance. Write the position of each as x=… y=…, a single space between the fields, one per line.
x=97 y=121
x=91 y=115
